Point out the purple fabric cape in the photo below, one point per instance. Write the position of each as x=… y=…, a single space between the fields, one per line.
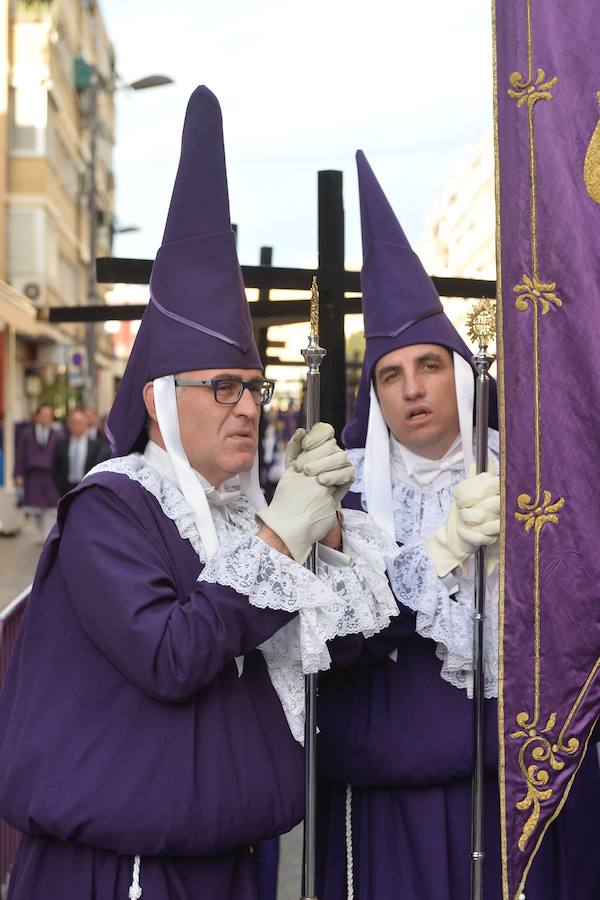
x=124 y=727
x=549 y=195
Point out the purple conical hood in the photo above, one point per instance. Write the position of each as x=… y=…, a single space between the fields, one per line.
x=401 y=305
x=198 y=316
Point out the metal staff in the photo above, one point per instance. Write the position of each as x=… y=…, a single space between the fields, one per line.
x=313 y=356
x=481 y=329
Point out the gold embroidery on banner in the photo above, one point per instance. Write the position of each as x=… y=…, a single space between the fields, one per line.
x=573 y=744
x=532 y=290
x=591 y=165
x=539 y=755
x=538 y=514
x=524 y=91
x=541 y=752
x=536 y=776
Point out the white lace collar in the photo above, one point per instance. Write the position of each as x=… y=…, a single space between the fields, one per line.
x=357 y=458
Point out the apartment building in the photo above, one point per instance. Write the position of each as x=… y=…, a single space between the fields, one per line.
x=460 y=239
x=54 y=56
x=56 y=50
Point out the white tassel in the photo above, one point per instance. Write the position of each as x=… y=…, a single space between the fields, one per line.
x=349 y=855
x=135 y=891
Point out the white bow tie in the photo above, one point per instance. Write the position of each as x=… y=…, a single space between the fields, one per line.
x=425 y=471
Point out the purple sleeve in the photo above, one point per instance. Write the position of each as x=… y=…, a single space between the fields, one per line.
x=122 y=583
x=352 y=500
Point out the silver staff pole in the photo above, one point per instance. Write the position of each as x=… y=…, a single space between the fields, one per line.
x=481 y=329
x=313 y=356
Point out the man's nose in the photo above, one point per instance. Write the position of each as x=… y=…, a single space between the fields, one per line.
x=413 y=387
x=246 y=406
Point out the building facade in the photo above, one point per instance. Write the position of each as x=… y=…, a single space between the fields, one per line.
x=56 y=48
x=53 y=53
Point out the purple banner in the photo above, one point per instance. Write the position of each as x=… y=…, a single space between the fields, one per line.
x=548 y=192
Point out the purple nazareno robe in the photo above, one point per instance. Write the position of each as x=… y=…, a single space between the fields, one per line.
x=402 y=737
x=124 y=727
x=33 y=463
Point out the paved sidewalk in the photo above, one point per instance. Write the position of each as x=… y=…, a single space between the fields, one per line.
x=19 y=555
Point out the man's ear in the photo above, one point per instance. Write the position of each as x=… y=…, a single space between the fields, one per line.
x=148 y=395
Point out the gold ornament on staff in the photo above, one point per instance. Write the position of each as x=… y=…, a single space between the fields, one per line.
x=481 y=323
x=314 y=310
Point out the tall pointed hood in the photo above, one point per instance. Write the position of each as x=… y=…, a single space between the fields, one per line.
x=401 y=305
x=198 y=316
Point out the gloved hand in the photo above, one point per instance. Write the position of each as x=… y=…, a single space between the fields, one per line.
x=473 y=522
x=317 y=453
x=301 y=512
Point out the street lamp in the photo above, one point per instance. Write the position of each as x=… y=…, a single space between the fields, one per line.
x=89 y=81
x=149 y=81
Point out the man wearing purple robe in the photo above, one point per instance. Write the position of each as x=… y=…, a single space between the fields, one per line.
x=396 y=726
x=34 y=454
x=151 y=717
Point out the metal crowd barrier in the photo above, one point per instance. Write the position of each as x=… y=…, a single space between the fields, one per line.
x=10 y=619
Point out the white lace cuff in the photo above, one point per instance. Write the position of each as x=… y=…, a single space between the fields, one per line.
x=341 y=600
x=445 y=619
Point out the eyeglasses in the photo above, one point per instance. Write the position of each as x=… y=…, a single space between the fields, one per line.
x=230 y=390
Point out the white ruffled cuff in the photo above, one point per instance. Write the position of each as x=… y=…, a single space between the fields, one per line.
x=345 y=599
x=446 y=619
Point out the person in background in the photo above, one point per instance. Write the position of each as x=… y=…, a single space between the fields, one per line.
x=34 y=455
x=92 y=417
x=96 y=430
x=76 y=453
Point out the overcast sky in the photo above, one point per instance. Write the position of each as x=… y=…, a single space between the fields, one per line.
x=302 y=85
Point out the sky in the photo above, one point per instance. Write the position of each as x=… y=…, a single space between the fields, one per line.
x=302 y=86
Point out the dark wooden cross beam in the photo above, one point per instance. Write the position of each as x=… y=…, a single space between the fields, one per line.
x=334 y=283
x=264 y=312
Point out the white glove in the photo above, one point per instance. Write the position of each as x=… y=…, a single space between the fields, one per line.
x=473 y=522
x=301 y=512
x=323 y=457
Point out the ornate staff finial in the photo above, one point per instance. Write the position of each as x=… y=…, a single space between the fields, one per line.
x=314 y=310
x=481 y=323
